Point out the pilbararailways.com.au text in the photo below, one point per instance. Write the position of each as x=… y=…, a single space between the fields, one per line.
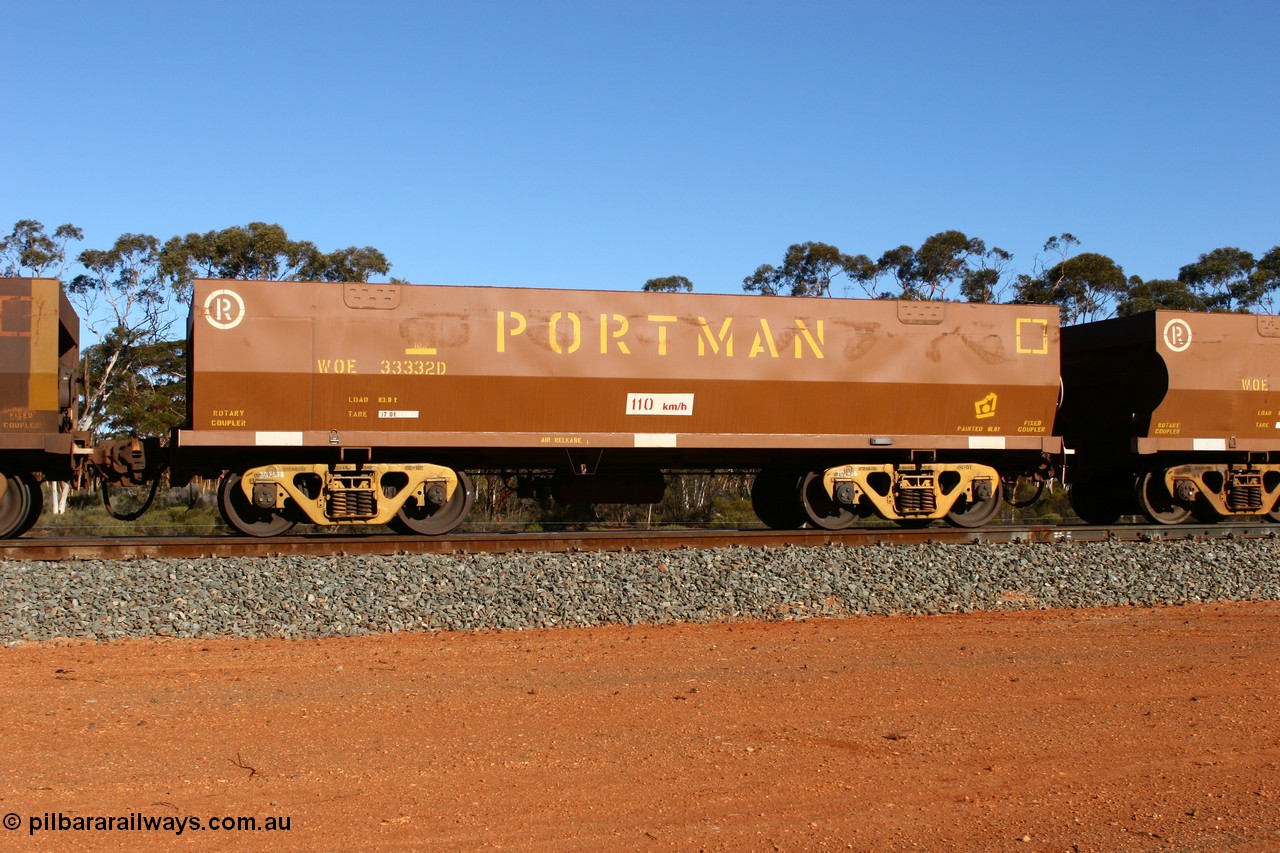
x=139 y=822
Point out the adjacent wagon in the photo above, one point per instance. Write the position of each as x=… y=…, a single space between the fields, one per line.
x=1173 y=414
x=39 y=351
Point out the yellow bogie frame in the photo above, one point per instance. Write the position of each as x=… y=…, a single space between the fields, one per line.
x=934 y=487
x=1227 y=489
x=348 y=493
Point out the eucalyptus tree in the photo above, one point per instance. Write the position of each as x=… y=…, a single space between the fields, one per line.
x=1087 y=286
x=1224 y=278
x=945 y=260
x=128 y=305
x=1267 y=274
x=28 y=251
x=809 y=269
x=263 y=251
x=131 y=294
x=668 y=284
x=1156 y=294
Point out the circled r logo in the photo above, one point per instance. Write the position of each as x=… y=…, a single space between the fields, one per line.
x=1177 y=335
x=224 y=309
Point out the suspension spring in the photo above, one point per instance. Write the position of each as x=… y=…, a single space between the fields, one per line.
x=1244 y=491
x=352 y=497
x=916 y=501
x=351 y=504
x=1244 y=498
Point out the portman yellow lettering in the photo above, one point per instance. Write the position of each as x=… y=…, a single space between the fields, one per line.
x=763 y=336
x=668 y=334
x=725 y=337
x=518 y=325
x=575 y=332
x=662 y=320
x=618 y=334
x=808 y=338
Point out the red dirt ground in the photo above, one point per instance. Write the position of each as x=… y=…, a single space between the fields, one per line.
x=1103 y=730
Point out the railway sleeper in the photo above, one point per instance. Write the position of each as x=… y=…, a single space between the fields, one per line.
x=347 y=493
x=1226 y=489
x=913 y=492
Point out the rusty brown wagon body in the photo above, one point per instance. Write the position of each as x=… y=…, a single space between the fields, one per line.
x=1174 y=414
x=364 y=403
x=39 y=350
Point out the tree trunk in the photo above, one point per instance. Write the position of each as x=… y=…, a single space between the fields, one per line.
x=59 y=492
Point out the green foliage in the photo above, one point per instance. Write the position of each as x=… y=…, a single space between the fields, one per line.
x=126 y=280
x=1090 y=286
x=898 y=263
x=731 y=513
x=979 y=285
x=188 y=511
x=691 y=500
x=265 y=252
x=1268 y=269
x=808 y=269
x=349 y=264
x=668 y=284
x=1083 y=286
x=126 y=302
x=150 y=395
x=944 y=260
x=1224 y=279
x=497 y=505
x=128 y=295
x=255 y=251
x=1052 y=507
x=29 y=251
x=1157 y=294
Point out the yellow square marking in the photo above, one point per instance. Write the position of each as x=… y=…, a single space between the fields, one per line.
x=1036 y=337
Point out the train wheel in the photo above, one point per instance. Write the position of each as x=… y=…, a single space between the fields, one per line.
x=1155 y=501
x=967 y=513
x=775 y=497
x=820 y=509
x=20 y=507
x=239 y=512
x=435 y=520
x=1096 y=502
x=37 y=504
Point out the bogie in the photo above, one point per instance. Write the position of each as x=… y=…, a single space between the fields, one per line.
x=267 y=500
x=913 y=495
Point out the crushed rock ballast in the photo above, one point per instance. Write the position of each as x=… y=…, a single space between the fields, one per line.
x=350 y=595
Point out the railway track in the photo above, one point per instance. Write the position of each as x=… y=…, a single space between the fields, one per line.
x=325 y=544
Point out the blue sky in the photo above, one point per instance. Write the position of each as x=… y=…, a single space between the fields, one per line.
x=599 y=144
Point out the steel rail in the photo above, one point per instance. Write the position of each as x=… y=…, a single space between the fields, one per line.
x=342 y=544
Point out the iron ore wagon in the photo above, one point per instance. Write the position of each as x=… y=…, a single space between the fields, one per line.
x=39 y=351
x=1173 y=414
x=358 y=404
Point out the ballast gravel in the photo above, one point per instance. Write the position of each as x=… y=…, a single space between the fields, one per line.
x=345 y=596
